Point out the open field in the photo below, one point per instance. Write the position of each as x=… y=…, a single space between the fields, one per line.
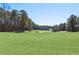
x=39 y=43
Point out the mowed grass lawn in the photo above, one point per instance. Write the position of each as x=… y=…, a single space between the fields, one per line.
x=40 y=43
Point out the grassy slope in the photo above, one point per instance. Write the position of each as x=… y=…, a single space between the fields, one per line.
x=39 y=43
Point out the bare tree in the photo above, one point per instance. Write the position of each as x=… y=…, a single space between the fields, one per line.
x=6 y=7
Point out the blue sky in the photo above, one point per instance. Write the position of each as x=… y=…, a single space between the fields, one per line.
x=48 y=14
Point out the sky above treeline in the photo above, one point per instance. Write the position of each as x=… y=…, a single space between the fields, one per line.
x=48 y=13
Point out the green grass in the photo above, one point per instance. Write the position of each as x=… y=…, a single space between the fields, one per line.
x=32 y=43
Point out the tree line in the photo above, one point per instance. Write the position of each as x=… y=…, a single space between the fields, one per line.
x=19 y=21
x=14 y=20
x=72 y=25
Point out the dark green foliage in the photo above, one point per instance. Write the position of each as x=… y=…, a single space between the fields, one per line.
x=62 y=27
x=72 y=23
x=55 y=28
x=29 y=28
x=13 y=14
